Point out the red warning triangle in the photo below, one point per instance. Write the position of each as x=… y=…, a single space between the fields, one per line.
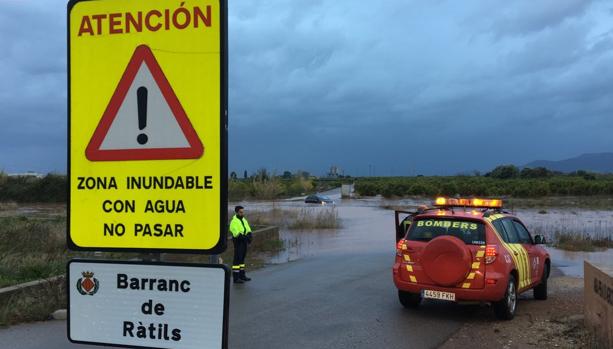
x=144 y=119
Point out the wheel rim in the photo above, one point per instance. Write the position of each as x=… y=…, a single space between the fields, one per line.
x=511 y=297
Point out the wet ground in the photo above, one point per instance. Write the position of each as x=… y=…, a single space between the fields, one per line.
x=32 y=210
x=571 y=263
x=554 y=323
x=369 y=224
x=337 y=292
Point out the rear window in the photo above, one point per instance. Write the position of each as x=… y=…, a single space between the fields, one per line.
x=471 y=232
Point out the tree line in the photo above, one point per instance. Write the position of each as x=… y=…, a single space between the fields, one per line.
x=263 y=185
x=506 y=180
x=50 y=188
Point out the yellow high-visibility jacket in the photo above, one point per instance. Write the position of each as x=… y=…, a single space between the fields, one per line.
x=237 y=228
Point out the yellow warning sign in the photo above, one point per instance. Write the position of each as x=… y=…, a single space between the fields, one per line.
x=147 y=125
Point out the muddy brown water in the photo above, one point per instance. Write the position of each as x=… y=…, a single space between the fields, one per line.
x=367 y=226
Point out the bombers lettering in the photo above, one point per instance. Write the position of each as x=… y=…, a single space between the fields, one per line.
x=447 y=224
x=152 y=21
x=144 y=284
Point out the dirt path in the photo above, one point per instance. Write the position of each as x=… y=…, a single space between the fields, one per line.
x=554 y=323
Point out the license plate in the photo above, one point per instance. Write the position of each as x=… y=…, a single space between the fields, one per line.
x=446 y=296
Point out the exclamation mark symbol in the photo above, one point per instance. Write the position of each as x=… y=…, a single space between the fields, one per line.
x=141 y=96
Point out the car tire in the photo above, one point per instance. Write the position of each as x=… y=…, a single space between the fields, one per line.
x=540 y=291
x=408 y=299
x=506 y=307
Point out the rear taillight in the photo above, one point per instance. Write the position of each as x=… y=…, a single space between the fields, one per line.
x=490 y=254
x=400 y=246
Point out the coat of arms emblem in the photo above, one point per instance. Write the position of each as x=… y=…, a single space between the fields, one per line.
x=88 y=284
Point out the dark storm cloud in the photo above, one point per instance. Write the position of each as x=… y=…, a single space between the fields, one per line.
x=437 y=87
x=405 y=87
x=33 y=88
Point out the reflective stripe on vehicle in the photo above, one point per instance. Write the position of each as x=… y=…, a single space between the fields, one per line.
x=518 y=254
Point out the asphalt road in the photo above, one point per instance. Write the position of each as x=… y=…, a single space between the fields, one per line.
x=334 y=301
x=328 y=301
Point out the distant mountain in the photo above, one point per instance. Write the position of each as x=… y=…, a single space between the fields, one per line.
x=597 y=162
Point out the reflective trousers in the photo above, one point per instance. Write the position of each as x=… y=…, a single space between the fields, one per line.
x=240 y=252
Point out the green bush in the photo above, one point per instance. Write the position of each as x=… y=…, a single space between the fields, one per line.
x=502 y=185
x=50 y=188
x=267 y=187
x=504 y=172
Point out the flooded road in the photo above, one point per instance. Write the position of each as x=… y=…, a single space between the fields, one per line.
x=330 y=288
x=570 y=263
x=368 y=225
x=363 y=229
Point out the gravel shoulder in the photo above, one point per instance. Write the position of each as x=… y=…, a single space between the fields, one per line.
x=554 y=323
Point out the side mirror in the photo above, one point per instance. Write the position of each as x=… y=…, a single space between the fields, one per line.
x=539 y=240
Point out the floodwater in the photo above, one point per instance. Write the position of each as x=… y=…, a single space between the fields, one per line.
x=367 y=226
x=363 y=229
x=547 y=221
x=571 y=262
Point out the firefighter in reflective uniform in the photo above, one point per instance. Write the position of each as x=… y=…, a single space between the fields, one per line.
x=241 y=237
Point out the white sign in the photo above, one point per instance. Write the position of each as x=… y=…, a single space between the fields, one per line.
x=152 y=305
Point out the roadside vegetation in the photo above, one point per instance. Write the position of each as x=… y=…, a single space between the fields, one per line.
x=262 y=185
x=266 y=186
x=503 y=181
x=296 y=218
x=29 y=189
x=31 y=248
x=506 y=180
x=581 y=242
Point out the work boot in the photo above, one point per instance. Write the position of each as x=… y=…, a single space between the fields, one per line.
x=243 y=277
x=237 y=278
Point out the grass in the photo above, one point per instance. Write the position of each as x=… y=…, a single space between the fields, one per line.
x=34 y=247
x=258 y=252
x=34 y=304
x=596 y=202
x=316 y=219
x=517 y=187
x=303 y=218
x=603 y=202
x=398 y=207
x=581 y=242
x=272 y=246
x=567 y=232
x=31 y=249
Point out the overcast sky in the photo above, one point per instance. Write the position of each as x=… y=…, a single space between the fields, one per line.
x=402 y=87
